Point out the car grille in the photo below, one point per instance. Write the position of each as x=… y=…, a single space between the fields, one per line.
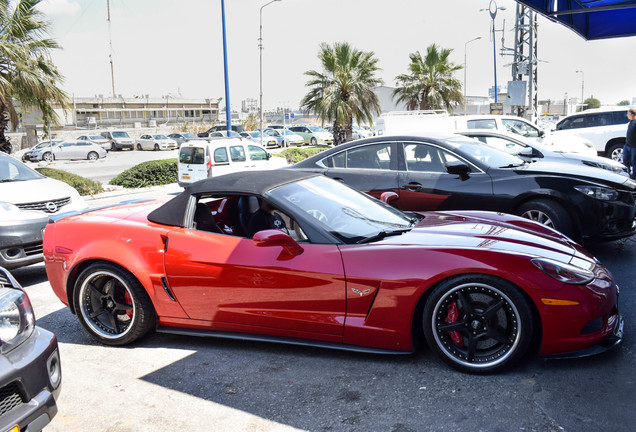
x=33 y=249
x=43 y=206
x=9 y=398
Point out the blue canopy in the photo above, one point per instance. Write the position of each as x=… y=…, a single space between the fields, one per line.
x=592 y=19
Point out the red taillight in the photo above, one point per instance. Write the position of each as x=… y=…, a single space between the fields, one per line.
x=209 y=163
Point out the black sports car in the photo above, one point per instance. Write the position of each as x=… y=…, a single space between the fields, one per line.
x=451 y=172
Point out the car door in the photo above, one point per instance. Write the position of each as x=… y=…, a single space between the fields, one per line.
x=233 y=284
x=258 y=157
x=424 y=183
x=66 y=150
x=146 y=141
x=371 y=168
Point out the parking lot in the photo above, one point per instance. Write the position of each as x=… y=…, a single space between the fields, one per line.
x=166 y=382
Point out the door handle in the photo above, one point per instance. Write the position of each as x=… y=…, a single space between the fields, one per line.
x=412 y=186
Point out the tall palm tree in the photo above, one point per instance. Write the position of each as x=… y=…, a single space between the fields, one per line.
x=27 y=74
x=344 y=90
x=430 y=83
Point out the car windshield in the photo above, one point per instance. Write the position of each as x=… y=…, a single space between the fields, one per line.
x=96 y=138
x=189 y=135
x=121 y=135
x=316 y=129
x=161 y=137
x=255 y=134
x=488 y=156
x=13 y=170
x=346 y=213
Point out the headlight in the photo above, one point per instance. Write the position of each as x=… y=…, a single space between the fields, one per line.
x=598 y=192
x=16 y=318
x=9 y=208
x=563 y=272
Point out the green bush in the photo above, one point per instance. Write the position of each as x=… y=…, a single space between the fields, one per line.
x=83 y=185
x=151 y=173
x=296 y=154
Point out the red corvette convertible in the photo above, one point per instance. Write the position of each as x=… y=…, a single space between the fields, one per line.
x=343 y=270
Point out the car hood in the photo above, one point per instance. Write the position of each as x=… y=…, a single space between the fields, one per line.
x=591 y=174
x=489 y=230
x=39 y=190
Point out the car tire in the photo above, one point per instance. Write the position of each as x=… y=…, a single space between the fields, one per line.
x=313 y=141
x=615 y=152
x=111 y=305
x=48 y=157
x=549 y=213
x=478 y=323
x=156 y=147
x=139 y=147
x=92 y=156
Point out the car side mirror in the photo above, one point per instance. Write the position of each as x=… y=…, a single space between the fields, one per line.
x=388 y=197
x=269 y=155
x=458 y=168
x=527 y=152
x=541 y=133
x=274 y=237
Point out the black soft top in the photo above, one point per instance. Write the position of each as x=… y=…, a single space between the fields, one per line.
x=243 y=183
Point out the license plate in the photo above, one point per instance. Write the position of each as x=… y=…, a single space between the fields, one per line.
x=185 y=177
x=618 y=328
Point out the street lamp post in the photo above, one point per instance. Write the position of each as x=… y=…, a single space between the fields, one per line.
x=582 y=86
x=260 y=48
x=466 y=66
x=493 y=8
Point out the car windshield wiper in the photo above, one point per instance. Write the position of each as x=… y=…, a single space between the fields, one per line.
x=7 y=180
x=381 y=235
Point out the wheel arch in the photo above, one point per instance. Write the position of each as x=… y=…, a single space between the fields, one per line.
x=548 y=195
x=417 y=331
x=614 y=141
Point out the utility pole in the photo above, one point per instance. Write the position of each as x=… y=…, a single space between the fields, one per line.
x=110 y=55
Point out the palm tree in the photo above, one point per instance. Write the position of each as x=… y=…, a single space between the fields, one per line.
x=27 y=74
x=344 y=90
x=430 y=83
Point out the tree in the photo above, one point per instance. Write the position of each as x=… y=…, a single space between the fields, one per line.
x=591 y=102
x=345 y=89
x=430 y=83
x=623 y=103
x=27 y=73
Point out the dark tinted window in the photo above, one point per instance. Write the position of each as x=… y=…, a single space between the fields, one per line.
x=220 y=155
x=482 y=124
x=192 y=155
x=619 y=117
x=237 y=153
x=376 y=156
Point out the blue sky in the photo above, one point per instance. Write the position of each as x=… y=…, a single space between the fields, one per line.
x=165 y=47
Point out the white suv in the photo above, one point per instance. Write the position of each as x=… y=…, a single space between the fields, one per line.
x=604 y=127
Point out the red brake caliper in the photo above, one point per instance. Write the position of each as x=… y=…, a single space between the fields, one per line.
x=451 y=317
x=128 y=301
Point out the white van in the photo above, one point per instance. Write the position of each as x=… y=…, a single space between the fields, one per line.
x=406 y=122
x=201 y=159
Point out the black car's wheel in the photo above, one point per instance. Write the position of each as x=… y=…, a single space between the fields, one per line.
x=313 y=141
x=112 y=305
x=92 y=156
x=549 y=213
x=48 y=157
x=477 y=323
x=615 y=152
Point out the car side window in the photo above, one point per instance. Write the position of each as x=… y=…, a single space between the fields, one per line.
x=619 y=117
x=482 y=124
x=520 y=128
x=220 y=156
x=376 y=156
x=422 y=158
x=237 y=153
x=257 y=153
x=339 y=160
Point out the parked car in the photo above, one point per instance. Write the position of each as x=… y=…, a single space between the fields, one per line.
x=27 y=199
x=220 y=128
x=97 y=139
x=313 y=134
x=451 y=172
x=274 y=134
x=347 y=271
x=529 y=150
x=24 y=154
x=68 y=150
x=604 y=127
x=31 y=373
x=255 y=136
x=207 y=158
x=181 y=137
x=224 y=134
x=119 y=139
x=156 y=142
x=291 y=138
